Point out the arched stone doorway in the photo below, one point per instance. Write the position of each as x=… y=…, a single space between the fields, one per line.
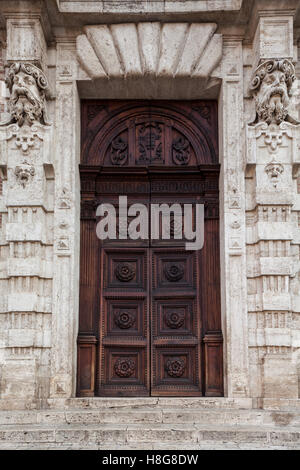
x=223 y=82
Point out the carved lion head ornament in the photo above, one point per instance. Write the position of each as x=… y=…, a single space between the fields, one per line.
x=29 y=89
x=271 y=88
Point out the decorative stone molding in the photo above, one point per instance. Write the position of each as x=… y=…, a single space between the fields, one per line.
x=271 y=257
x=274 y=35
x=232 y=201
x=147 y=7
x=64 y=199
x=235 y=224
x=29 y=89
x=27 y=138
x=66 y=240
x=271 y=88
x=273 y=139
x=25 y=35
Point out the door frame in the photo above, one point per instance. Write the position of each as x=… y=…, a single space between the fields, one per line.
x=227 y=86
x=87 y=342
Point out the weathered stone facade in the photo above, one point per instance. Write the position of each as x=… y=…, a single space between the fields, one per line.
x=242 y=53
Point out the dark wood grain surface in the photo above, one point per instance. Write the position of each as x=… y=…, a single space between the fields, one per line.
x=150 y=321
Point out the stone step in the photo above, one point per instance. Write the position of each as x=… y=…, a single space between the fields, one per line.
x=151 y=423
x=161 y=402
x=107 y=402
x=148 y=415
x=150 y=446
x=142 y=436
x=282 y=404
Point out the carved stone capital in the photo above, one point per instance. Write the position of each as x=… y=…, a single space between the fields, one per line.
x=29 y=90
x=271 y=87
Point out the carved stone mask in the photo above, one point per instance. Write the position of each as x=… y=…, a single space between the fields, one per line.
x=24 y=173
x=274 y=171
x=274 y=98
x=28 y=86
x=271 y=87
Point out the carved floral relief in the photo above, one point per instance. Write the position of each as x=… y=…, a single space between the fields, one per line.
x=124 y=272
x=174 y=318
x=181 y=151
x=173 y=272
x=119 y=153
x=124 y=367
x=175 y=367
x=124 y=319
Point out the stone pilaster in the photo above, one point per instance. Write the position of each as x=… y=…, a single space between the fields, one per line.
x=26 y=240
x=66 y=225
x=271 y=208
x=273 y=258
x=233 y=264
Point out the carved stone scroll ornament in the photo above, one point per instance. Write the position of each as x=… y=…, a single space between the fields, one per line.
x=29 y=89
x=271 y=88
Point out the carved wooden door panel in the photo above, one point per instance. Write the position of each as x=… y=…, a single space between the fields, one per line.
x=124 y=329
x=175 y=302
x=186 y=338
x=150 y=320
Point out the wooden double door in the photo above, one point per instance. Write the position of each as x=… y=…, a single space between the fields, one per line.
x=149 y=308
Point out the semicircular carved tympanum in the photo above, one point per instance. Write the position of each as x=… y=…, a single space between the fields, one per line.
x=133 y=135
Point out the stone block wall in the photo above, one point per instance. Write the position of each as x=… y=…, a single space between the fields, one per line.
x=27 y=262
x=40 y=188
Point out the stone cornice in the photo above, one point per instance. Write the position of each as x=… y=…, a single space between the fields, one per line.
x=262 y=9
x=27 y=10
x=152 y=6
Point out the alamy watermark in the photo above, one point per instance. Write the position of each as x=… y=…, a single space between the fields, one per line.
x=164 y=221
